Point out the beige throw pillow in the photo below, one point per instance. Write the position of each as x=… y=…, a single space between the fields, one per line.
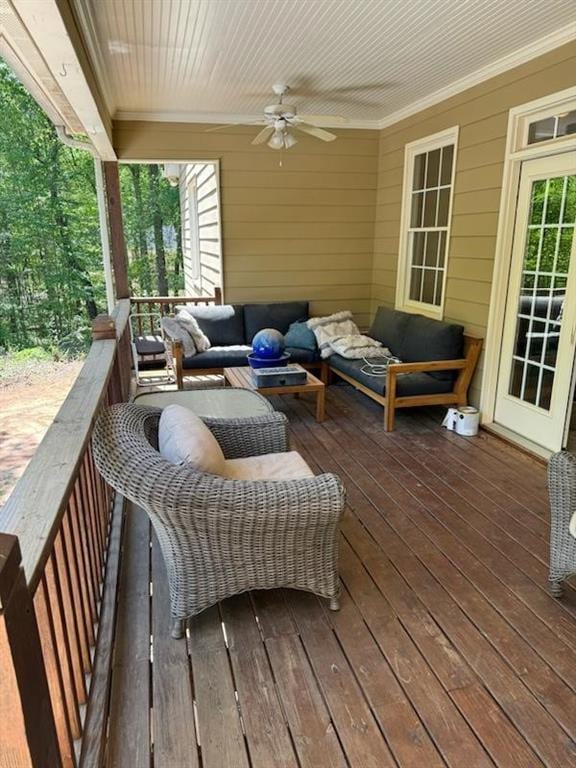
x=184 y=438
x=177 y=331
x=190 y=324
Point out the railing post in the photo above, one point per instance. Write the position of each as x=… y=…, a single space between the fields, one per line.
x=104 y=327
x=27 y=730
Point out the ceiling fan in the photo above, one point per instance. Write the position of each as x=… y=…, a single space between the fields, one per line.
x=280 y=120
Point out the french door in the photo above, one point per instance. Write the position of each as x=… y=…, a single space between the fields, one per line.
x=539 y=337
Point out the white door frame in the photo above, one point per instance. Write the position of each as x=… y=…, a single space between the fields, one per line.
x=516 y=152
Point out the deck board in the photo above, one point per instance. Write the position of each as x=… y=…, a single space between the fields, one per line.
x=448 y=650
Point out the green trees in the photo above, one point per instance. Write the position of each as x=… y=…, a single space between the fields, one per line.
x=51 y=272
x=151 y=213
x=51 y=277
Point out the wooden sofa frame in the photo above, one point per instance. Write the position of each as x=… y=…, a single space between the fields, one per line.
x=458 y=396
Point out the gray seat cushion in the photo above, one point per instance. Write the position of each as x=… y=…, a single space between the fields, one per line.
x=223 y=324
x=415 y=338
x=277 y=315
x=298 y=355
x=149 y=345
x=406 y=385
x=218 y=357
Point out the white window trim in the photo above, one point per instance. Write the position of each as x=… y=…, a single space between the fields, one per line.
x=193 y=228
x=517 y=150
x=427 y=144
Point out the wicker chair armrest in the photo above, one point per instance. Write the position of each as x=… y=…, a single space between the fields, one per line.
x=251 y=436
x=562 y=488
x=210 y=500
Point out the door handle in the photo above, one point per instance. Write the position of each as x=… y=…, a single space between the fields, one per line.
x=573 y=335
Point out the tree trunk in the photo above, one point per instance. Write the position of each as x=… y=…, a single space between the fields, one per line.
x=154 y=182
x=145 y=272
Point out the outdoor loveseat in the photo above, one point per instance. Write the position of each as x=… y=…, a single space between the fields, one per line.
x=220 y=537
x=438 y=361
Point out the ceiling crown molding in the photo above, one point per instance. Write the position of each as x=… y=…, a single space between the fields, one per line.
x=517 y=58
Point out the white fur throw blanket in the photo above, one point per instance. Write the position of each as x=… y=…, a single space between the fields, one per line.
x=339 y=334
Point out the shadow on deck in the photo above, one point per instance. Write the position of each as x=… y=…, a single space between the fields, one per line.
x=447 y=651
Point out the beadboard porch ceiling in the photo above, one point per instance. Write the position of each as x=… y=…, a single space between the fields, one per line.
x=366 y=60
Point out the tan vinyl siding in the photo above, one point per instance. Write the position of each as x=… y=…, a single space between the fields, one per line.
x=481 y=113
x=209 y=277
x=302 y=230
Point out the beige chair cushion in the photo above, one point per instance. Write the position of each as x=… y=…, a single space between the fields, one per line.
x=190 y=324
x=573 y=525
x=270 y=466
x=183 y=437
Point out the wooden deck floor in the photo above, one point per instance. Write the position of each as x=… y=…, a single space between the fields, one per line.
x=447 y=651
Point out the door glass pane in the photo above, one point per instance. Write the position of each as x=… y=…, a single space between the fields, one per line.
x=541 y=130
x=543 y=290
x=552 y=127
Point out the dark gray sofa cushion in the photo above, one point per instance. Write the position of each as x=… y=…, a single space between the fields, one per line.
x=277 y=315
x=406 y=385
x=218 y=357
x=223 y=324
x=415 y=338
x=298 y=355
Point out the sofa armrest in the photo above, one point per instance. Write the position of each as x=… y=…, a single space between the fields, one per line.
x=424 y=367
x=251 y=436
x=174 y=354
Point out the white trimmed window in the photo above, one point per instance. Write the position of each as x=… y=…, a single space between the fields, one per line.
x=193 y=234
x=425 y=223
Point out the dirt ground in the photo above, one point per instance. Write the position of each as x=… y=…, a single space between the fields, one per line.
x=29 y=400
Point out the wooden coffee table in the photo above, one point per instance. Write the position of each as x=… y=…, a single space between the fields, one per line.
x=242 y=377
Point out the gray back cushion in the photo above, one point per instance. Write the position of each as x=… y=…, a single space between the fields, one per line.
x=223 y=324
x=278 y=315
x=415 y=338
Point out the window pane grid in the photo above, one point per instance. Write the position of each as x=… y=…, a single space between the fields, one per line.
x=427 y=230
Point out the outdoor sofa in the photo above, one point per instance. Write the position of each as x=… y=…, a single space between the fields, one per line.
x=231 y=328
x=438 y=362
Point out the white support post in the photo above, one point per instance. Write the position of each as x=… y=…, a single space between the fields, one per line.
x=104 y=234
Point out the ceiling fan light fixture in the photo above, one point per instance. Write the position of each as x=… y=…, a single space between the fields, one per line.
x=282 y=139
x=276 y=141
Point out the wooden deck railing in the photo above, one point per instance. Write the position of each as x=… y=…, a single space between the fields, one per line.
x=146 y=309
x=55 y=532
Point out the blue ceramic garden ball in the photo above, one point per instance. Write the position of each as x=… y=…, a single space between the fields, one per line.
x=268 y=344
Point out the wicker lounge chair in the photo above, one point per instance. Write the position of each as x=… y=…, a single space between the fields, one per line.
x=218 y=536
x=562 y=486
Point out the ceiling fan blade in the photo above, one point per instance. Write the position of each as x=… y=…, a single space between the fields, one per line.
x=312 y=130
x=231 y=125
x=323 y=118
x=264 y=135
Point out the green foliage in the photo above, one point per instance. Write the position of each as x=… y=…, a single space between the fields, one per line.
x=51 y=277
x=151 y=214
x=32 y=354
x=51 y=272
